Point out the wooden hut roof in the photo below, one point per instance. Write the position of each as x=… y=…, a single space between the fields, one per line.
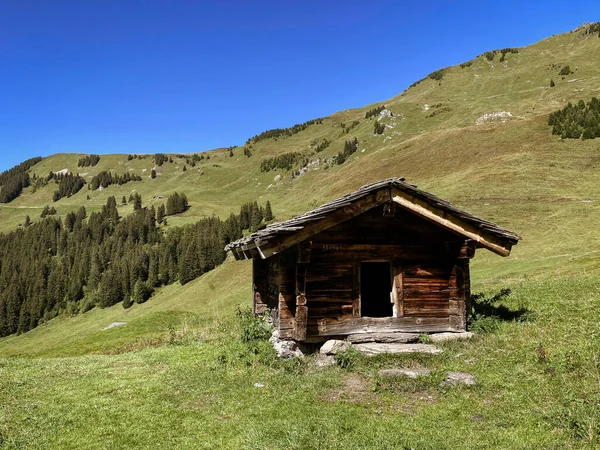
x=278 y=236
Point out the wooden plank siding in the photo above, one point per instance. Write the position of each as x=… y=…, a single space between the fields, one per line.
x=319 y=280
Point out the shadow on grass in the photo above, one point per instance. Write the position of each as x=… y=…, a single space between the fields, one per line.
x=486 y=314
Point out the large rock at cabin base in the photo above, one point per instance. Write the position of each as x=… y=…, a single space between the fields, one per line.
x=334 y=346
x=449 y=336
x=285 y=349
x=411 y=373
x=374 y=348
x=398 y=338
x=458 y=378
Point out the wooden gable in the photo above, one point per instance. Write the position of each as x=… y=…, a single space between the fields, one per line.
x=280 y=236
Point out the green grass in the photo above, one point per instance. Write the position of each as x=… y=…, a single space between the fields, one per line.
x=176 y=375
x=202 y=395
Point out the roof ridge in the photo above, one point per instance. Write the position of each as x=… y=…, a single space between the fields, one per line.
x=298 y=222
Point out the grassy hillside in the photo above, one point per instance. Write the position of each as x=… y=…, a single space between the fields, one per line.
x=177 y=374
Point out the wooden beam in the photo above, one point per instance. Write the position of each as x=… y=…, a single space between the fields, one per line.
x=352 y=325
x=438 y=216
x=373 y=252
x=467 y=251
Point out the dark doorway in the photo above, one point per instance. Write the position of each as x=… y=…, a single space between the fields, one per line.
x=375 y=288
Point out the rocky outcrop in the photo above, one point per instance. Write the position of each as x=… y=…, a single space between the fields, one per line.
x=285 y=349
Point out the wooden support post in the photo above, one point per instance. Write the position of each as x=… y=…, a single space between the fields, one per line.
x=356 y=289
x=301 y=318
x=467 y=286
x=458 y=297
x=259 y=279
x=397 y=294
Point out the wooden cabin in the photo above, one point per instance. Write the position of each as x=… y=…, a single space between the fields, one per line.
x=386 y=258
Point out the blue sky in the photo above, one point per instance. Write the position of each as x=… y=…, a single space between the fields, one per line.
x=149 y=76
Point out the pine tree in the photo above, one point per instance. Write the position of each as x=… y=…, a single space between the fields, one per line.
x=127 y=302
x=552 y=84
x=111 y=290
x=268 y=212
x=137 y=202
x=141 y=292
x=256 y=219
x=70 y=219
x=190 y=266
x=123 y=201
x=153 y=174
x=160 y=214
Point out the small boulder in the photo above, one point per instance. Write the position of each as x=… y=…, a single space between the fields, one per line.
x=334 y=346
x=453 y=378
x=411 y=373
x=115 y=324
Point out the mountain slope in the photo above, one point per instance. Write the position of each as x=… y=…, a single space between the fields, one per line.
x=537 y=380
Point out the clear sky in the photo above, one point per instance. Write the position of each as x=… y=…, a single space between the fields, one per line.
x=147 y=76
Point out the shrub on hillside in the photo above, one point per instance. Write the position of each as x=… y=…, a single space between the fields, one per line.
x=437 y=75
x=176 y=203
x=278 y=132
x=285 y=161
x=89 y=160
x=577 y=121
x=68 y=185
x=374 y=111
x=350 y=148
x=14 y=180
x=566 y=70
x=253 y=328
x=106 y=179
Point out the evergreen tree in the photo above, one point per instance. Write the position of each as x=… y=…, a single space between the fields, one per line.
x=141 y=292
x=137 y=202
x=111 y=290
x=268 y=212
x=127 y=302
x=256 y=219
x=552 y=84
x=190 y=266
x=153 y=174
x=160 y=214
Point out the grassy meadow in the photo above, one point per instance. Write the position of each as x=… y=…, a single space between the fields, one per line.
x=177 y=373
